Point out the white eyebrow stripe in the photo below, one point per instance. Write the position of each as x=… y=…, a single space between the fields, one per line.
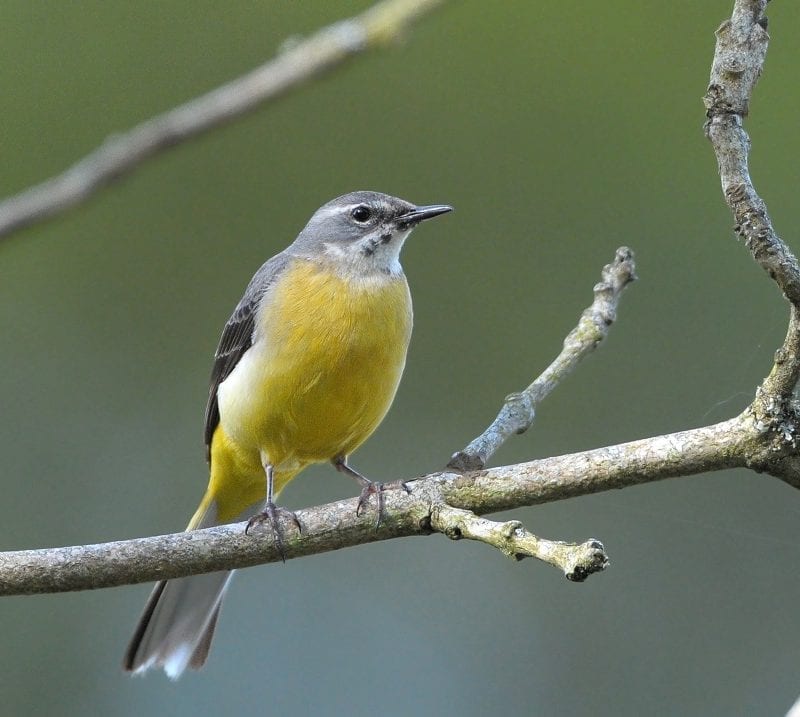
x=336 y=211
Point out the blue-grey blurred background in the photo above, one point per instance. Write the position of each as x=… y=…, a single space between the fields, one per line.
x=559 y=132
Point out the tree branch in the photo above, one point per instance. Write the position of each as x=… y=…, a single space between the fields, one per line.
x=576 y=561
x=519 y=409
x=763 y=437
x=733 y=443
x=120 y=154
x=738 y=61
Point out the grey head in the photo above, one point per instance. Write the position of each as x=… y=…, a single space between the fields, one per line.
x=362 y=233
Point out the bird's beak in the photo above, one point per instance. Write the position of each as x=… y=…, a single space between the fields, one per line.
x=420 y=214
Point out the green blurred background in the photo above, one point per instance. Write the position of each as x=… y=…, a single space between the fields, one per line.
x=559 y=132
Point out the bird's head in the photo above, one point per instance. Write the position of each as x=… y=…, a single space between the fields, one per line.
x=362 y=233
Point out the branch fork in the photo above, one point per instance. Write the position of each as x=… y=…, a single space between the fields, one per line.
x=516 y=415
x=519 y=409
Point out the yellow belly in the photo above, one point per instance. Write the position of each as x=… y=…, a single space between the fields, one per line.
x=326 y=361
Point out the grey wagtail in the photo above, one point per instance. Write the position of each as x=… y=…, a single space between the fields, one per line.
x=306 y=369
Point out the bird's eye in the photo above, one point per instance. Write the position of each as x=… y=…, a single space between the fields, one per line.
x=361 y=213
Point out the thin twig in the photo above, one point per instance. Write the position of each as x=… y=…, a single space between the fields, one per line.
x=576 y=560
x=519 y=409
x=121 y=154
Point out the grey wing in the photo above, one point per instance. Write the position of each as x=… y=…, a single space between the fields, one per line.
x=237 y=337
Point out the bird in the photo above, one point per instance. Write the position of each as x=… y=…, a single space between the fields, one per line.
x=306 y=369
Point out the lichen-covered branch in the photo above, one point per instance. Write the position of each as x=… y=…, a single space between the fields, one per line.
x=122 y=153
x=733 y=443
x=576 y=561
x=519 y=409
x=738 y=61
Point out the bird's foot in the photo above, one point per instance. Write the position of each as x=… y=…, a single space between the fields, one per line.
x=369 y=488
x=273 y=514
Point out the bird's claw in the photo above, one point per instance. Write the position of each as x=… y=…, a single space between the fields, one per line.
x=371 y=488
x=272 y=514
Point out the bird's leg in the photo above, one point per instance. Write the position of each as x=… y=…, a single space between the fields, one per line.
x=271 y=514
x=368 y=488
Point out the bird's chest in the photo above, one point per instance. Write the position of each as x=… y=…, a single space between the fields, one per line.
x=326 y=360
x=321 y=324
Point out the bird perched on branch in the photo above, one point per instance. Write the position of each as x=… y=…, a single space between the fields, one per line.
x=306 y=369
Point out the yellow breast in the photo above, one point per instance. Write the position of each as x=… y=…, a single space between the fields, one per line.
x=326 y=361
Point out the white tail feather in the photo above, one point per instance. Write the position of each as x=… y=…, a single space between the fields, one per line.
x=178 y=622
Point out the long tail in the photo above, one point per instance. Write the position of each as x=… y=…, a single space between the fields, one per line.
x=178 y=621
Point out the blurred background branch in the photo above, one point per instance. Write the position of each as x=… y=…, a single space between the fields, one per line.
x=299 y=62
